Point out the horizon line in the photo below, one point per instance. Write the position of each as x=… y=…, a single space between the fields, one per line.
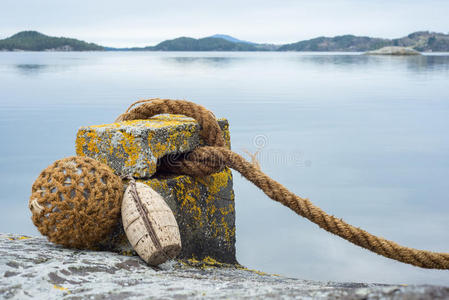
x=242 y=41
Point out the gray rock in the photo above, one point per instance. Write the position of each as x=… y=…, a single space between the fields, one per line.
x=35 y=268
x=393 y=50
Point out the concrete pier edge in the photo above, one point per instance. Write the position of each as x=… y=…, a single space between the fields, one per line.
x=32 y=267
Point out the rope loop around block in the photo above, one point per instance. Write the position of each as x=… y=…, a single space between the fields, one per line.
x=206 y=160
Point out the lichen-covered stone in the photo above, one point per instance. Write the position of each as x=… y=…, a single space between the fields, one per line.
x=134 y=147
x=203 y=207
x=204 y=210
x=33 y=268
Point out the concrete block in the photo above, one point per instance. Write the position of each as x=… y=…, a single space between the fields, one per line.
x=203 y=207
x=133 y=147
x=204 y=210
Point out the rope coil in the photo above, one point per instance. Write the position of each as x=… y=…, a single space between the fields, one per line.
x=214 y=157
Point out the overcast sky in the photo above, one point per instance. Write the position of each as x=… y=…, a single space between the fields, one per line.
x=146 y=22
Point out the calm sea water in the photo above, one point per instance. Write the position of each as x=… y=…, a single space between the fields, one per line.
x=365 y=138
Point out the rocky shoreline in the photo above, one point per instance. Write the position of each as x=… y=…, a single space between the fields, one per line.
x=401 y=51
x=31 y=267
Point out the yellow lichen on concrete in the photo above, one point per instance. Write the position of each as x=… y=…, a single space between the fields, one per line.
x=216 y=182
x=186 y=191
x=211 y=263
x=198 y=198
x=158 y=121
x=128 y=253
x=61 y=288
x=208 y=263
x=201 y=217
x=204 y=207
x=134 y=147
x=22 y=237
x=86 y=138
x=175 y=141
x=157 y=185
x=130 y=147
x=226 y=134
x=80 y=142
x=92 y=146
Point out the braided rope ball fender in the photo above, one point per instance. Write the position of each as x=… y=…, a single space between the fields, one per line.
x=212 y=158
x=76 y=202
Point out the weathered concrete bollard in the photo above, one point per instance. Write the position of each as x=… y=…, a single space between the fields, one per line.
x=203 y=207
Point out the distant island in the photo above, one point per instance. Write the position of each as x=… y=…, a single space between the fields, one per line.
x=35 y=41
x=204 y=44
x=423 y=41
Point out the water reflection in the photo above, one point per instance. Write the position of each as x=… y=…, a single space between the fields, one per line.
x=346 y=61
x=30 y=69
x=427 y=63
x=339 y=59
x=38 y=69
x=411 y=63
x=336 y=61
x=216 y=62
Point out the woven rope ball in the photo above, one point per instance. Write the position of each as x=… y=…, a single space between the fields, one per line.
x=76 y=202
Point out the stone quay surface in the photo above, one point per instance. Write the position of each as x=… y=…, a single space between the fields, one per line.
x=203 y=207
x=33 y=268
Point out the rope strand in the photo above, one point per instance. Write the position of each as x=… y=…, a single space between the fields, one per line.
x=206 y=160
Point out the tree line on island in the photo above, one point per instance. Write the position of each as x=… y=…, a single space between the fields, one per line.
x=423 y=41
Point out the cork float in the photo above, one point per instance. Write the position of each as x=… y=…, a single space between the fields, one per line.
x=149 y=224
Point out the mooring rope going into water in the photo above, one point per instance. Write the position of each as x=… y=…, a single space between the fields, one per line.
x=206 y=160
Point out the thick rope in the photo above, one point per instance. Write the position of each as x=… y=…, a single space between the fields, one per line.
x=208 y=159
x=210 y=132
